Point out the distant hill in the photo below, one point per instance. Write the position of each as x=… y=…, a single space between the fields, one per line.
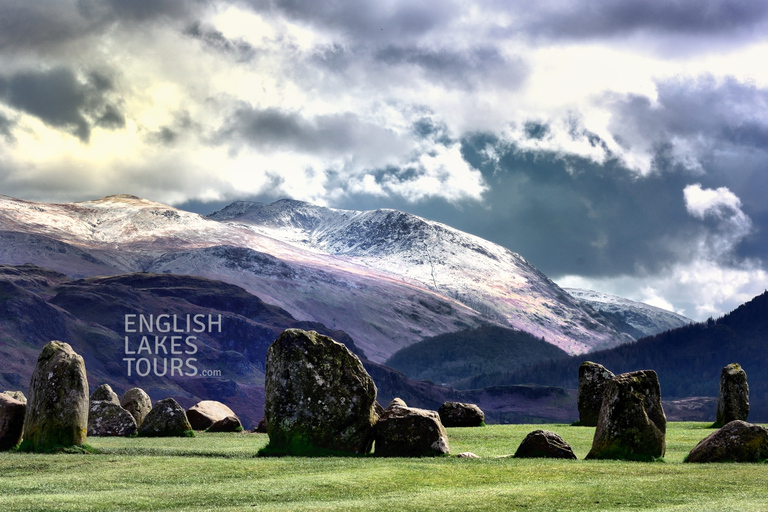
x=688 y=359
x=450 y=358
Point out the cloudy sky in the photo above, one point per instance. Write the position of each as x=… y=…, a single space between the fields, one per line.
x=618 y=145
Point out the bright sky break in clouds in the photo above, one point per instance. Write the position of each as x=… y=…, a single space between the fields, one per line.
x=619 y=146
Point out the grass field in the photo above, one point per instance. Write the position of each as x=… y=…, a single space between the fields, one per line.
x=222 y=472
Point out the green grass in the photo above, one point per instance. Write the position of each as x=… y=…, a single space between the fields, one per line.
x=222 y=472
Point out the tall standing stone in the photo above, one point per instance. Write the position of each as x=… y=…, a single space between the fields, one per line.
x=733 y=398
x=57 y=409
x=632 y=424
x=138 y=403
x=318 y=396
x=593 y=378
x=11 y=421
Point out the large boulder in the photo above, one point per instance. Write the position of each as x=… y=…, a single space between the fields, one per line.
x=12 y=413
x=137 y=402
x=106 y=418
x=226 y=424
x=104 y=393
x=544 y=444
x=733 y=398
x=632 y=424
x=17 y=395
x=410 y=432
x=204 y=414
x=166 y=419
x=593 y=378
x=738 y=441
x=57 y=409
x=457 y=414
x=318 y=396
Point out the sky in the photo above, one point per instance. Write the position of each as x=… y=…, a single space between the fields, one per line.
x=619 y=146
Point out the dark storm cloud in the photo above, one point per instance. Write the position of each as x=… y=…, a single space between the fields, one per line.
x=5 y=128
x=238 y=49
x=62 y=101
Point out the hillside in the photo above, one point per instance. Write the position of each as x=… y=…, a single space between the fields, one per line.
x=688 y=360
x=449 y=358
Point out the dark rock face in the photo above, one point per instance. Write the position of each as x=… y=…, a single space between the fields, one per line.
x=226 y=424
x=632 y=424
x=106 y=418
x=104 y=393
x=261 y=428
x=544 y=444
x=204 y=414
x=738 y=441
x=593 y=378
x=733 y=398
x=166 y=419
x=137 y=403
x=318 y=396
x=410 y=432
x=57 y=410
x=12 y=413
x=457 y=414
x=17 y=395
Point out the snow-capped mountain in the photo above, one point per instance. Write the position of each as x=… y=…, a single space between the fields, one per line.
x=387 y=278
x=634 y=318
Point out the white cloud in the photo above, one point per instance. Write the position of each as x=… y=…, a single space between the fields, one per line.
x=719 y=202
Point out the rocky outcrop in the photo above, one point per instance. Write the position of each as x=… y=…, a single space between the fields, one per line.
x=318 y=396
x=457 y=414
x=738 y=441
x=733 y=398
x=204 y=414
x=631 y=424
x=137 y=403
x=12 y=413
x=410 y=432
x=226 y=424
x=104 y=393
x=166 y=419
x=106 y=418
x=593 y=378
x=544 y=444
x=57 y=410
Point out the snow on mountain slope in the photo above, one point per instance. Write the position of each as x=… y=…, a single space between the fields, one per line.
x=634 y=318
x=490 y=279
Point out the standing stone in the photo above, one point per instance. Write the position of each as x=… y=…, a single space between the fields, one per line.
x=632 y=424
x=544 y=444
x=104 y=393
x=138 y=403
x=318 y=396
x=593 y=378
x=457 y=414
x=106 y=418
x=204 y=414
x=57 y=410
x=166 y=419
x=410 y=432
x=17 y=395
x=738 y=441
x=12 y=413
x=733 y=398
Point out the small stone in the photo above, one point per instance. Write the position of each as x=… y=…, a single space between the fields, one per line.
x=137 y=402
x=17 y=395
x=104 y=393
x=12 y=413
x=396 y=402
x=106 y=418
x=204 y=414
x=166 y=419
x=593 y=378
x=544 y=444
x=457 y=414
x=410 y=432
x=737 y=441
x=226 y=424
x=261 y=428
x=733 y=397
x=467 y=455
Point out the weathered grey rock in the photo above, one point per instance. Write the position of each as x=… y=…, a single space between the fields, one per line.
x=17 y=395
x=457 y=414
x=733 y=398
x=544 y=444
x=738 y=441
x=632 y=424
x=226 y=424
x=106 y=418
x=104 y=393
x=204 y=414
x=261 y=428
x=396 y=402
x=410 y=432
x=138 y=403
x=467 y=455
x=166 y=419
x=12 y=413
x=318 y=396
x=57 y=410
x=593 y=378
